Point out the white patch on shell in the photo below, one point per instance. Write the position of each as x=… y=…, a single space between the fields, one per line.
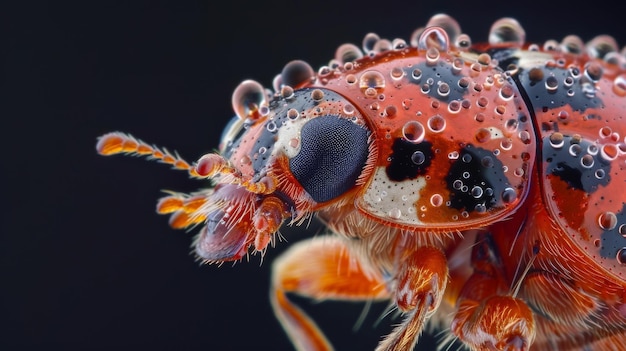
x=532 y=59
x=392 y=200
x=287 y=134
x=495 y=133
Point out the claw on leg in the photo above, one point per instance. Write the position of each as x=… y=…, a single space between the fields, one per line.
x=319 y=268
x=420 y=285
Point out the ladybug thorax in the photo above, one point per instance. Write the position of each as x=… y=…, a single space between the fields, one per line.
x=453 y=139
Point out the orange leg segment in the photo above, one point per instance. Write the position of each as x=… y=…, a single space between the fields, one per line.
x=488 y=316
x=421 y=279
x=319 y=268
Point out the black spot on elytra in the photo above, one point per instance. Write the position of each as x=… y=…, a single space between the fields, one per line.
x=476 y=181
x=565 y=162
x=580 y=95
x=406 y=162
x=612 y=240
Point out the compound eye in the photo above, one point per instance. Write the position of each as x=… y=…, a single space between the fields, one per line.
x=332 y=156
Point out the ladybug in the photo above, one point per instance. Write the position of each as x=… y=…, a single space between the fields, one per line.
x=478 y=188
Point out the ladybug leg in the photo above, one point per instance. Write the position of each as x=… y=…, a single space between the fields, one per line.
x=488 y=316
x=421 y=279
x=319 y=268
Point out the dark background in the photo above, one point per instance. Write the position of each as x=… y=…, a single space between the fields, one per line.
x=85 y=263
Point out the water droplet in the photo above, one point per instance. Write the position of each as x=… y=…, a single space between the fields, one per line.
x=370 y=92
x=396 y=73
x=524 y=136
x=372 y=79
x=348 y=109
x=506 y=92
x=476 y=192
x=395 y=213
x=572 y=44
x=507 y=31
x=535 y=74
x=509 y=195
x=271 y=127
x=245 y=161
x=463 y=42
x=457 y=66
x=390 y=111
x=324 y=71
x=605 y=132
x=413 y=131
x=296 y=72
x=317 y=95
x=416 y=74
x=607 y=220
x=587 y=161
x=436 y=123
x=247 y=98
x=482 y=135
x=619 y=85
x=436 y=200
x=457 y=184
x=506 y=144
x=418 y=157
x=464 y=82
x=500 y=109
x=575 y=150
x=454 y=106
x=484 y=59
x=551 y=84
x=348 y=53
x=432 y=56
x=557 y=140
x=609 y=152
x=487 y=162
x=398 y=44
x=443 y=89
x=369 y=41
x=482 y=102
x=592 y=149
x=621 y=255
x=292 y=114
x=600 y=174
x=433 y=37
x=601 y=45
x=550 y=45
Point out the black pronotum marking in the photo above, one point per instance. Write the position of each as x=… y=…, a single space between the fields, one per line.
x=408 y=159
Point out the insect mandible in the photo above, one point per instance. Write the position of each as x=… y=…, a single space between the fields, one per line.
x=478 y=187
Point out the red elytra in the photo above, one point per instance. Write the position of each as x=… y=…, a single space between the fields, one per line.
x=478 y=187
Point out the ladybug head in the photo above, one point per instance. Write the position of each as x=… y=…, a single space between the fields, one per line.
x=279 y=161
